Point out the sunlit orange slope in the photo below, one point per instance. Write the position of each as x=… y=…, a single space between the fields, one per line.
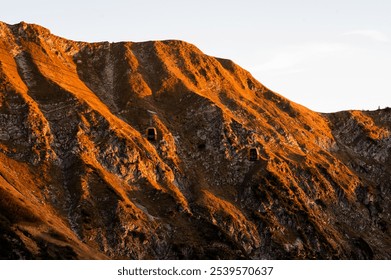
x=79 y=179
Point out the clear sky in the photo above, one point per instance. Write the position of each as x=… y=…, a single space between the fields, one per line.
x=328 y=55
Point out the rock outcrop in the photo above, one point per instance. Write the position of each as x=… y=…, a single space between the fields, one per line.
x=80 y=180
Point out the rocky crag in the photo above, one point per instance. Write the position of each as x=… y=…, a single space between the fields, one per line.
x=80 y=180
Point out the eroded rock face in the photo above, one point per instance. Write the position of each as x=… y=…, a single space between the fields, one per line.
x=78 y=179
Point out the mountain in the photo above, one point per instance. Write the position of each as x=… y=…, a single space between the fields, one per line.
x=81 y=177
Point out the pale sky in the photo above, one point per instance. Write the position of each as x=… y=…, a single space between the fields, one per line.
x=328 y=55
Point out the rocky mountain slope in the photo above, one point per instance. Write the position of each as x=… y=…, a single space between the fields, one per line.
x=80 y=180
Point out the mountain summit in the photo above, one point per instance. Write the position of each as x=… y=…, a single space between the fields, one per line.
x=155 y=150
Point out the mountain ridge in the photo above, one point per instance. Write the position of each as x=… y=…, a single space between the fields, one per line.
x=85 y=182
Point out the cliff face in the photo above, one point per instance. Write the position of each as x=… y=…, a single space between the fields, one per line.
x=79 y=178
